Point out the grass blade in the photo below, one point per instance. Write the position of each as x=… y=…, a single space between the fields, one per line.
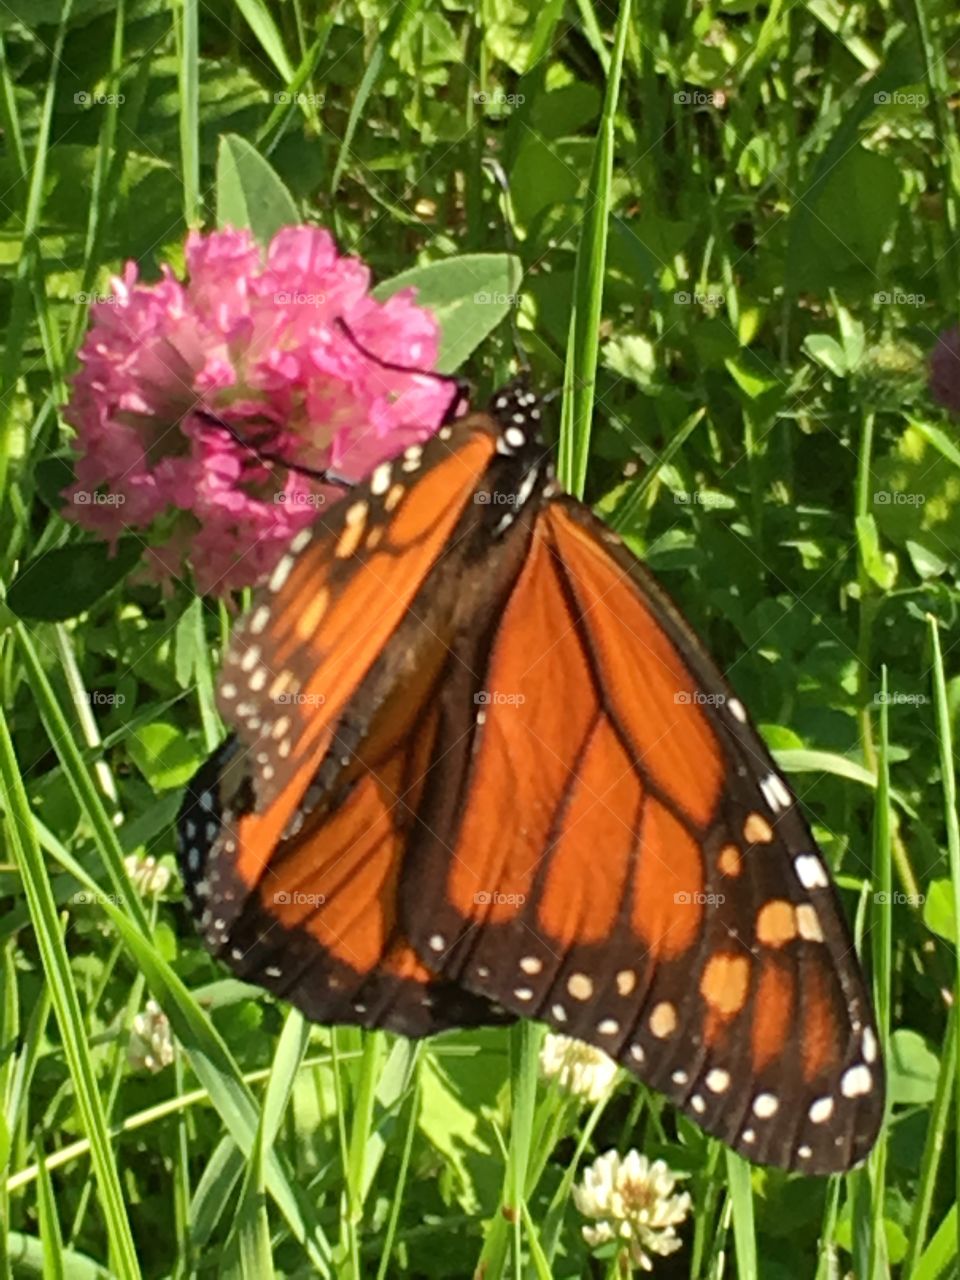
x=66 y=1003
x=580 y=371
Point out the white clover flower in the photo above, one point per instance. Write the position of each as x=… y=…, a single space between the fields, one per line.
x=577 y=1067
x=147 y=874
x=634 y=1203
x=150 y=1046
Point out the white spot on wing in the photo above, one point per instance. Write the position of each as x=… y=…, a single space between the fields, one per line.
x=810 y=871
x=775 y=792
x=856 y=1081
x=869 y=1045
x=259 y=619
x=766 y=1105
x=380 y=480
x=821 y=1110
x=718 y=1080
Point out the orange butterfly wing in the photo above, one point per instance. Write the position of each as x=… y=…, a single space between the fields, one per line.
x=290 y=844
x=658 y=893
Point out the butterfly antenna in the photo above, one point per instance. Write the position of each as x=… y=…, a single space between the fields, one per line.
x=461 y=389
x=495 y=168
x=270 y=460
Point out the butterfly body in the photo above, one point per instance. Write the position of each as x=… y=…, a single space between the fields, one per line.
x=484 y=769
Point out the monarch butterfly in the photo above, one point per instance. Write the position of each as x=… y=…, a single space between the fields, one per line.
x=482 y=768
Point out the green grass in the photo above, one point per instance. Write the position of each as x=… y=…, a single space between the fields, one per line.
x=737 y=228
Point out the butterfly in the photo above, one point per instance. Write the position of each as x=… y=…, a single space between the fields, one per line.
x=481 y=768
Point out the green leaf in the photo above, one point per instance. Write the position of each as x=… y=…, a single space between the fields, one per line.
x=51 y=477
x=249 y=191
x=189 y=637
x=916 y=496
x=940 y=441
x=632 y=356
x=752 y=380
x=880 y=565
x=840 y=224
x=926 y=562
x=455 y=1093
x=61 y=583
x=938 y=913
x=827 y=352
x=913 y=1069
x=469 y=296
x=264 y=27
x=164 y=755
x=852 y=335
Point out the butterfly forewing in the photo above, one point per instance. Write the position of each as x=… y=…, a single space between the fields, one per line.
x=659 y=894
x=291 y=836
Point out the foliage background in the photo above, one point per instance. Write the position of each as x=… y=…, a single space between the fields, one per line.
x=777 y=190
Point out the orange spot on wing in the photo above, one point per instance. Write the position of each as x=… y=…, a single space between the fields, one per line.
x=772 y=1014
x=725 y=982
x=776 y=923
x=403 y=962
x=729 y=861
x=668 y=883
x=312 y=614
x=757 y=830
